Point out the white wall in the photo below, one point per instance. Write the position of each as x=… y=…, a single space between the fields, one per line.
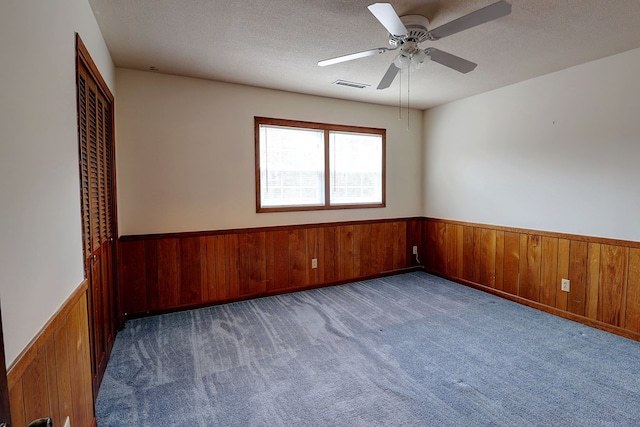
x=557 y=153
x=40 y=240
x=185 y=153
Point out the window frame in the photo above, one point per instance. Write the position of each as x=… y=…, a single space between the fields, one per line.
x=327 y=128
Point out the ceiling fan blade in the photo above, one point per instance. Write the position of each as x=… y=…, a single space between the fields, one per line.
x=352 y=56
x=480 y=16
x=386 y=14
x=388 y=77
x=451 y=61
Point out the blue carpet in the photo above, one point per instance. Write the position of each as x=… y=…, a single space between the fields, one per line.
x=406 y=350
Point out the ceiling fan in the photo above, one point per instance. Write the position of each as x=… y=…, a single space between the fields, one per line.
x=407 y=32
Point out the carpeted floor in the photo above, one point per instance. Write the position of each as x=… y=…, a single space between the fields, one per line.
x=407 y=350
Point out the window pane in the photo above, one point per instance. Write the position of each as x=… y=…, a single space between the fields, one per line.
x=291 y=166
x=355 y=168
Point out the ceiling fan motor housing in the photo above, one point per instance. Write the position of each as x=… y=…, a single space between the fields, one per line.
x=417 y=31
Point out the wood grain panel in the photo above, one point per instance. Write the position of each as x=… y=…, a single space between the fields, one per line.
x=440 y=250
x=477 y=249
x=578 y=276
x=222 y=290
x=78 y=390
x=499 y=260
x=190 y=289
x=63 y=372
x=232 y=265
x=52 y=376
x=557 y=235
x=487 y=270
x=16 y=399
x=131 y=269
x=346 y=244
x=253 y=264
x=632 y=319
x=52 y=379
x=281 y=260
x=174 y=271
x=377 y=255
x=82 y=348
x=511 y=263
x=151 y=274
x=357 y=250
x=549 y=270
x=613 y=282
x=467 y=254
x=563 y=273
x=530 y=265
x=168 y=291
x=430 y=246
x=34 y=383
x=331 y=252
x=451 y=249
x=388 y=248
x=269 y=262
x=459 y=250
x=208 y=267
x=593 y=280
x=297 y=262
x=365 y=249
x=399 y=245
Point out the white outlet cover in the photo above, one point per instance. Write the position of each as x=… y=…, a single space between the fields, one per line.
x=566 y=285
x=67 y=422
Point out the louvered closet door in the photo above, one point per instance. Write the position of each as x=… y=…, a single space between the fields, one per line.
x=97 y=194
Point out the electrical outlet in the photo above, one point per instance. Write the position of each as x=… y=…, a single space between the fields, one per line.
x=566 y=285
x=415 y=250
x=67 y=422
x=314 y=263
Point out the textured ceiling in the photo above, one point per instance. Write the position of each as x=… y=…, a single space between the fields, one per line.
x=277 y=43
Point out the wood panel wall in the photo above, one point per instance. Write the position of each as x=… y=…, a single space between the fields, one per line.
x=52 y=376
x=173 y=271
x=527 y=266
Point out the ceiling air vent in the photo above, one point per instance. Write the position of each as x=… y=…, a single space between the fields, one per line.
x=350 y=84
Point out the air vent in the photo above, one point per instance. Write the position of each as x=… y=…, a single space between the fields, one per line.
x=350 y=84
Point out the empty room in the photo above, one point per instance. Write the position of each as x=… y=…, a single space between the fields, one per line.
x=319 y=213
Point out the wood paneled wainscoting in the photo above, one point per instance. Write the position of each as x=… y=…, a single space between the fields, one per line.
x=528 y=266
x=52 y=376
x=159 y=273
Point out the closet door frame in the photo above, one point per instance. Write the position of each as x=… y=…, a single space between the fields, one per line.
x=99 y=248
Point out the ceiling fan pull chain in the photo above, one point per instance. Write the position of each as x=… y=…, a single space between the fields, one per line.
x=400 y=98
x=408 y=96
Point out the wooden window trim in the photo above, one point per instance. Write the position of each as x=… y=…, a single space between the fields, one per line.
x=327 y=128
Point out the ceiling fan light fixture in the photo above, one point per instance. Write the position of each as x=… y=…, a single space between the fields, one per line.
x=420 y=59
x=402 y=61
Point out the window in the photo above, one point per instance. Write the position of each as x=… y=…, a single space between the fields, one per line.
x=312 y=166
